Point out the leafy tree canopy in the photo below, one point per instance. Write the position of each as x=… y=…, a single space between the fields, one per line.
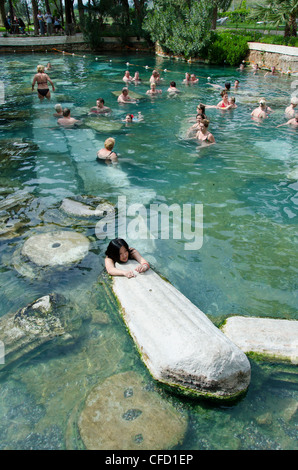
x=180 y=26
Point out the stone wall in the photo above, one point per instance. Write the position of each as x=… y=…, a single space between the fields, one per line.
x=68 y=44
x=283 y=58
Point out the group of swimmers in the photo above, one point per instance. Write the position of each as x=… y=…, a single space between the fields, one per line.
x=118 y=250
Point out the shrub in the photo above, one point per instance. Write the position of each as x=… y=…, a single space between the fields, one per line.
x=226 y=48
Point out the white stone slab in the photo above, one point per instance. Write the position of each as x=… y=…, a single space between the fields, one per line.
x=178 y=343
x=268 y=336
x=259 y=46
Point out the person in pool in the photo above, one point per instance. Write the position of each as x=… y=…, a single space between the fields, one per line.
x=118 y=251
x=172 y=88
x=66 y=120
x=291 y=122
x=42 y=80
x=290 y=110
x=153 y=90
x=203 y=135
x=100 y=107
x=107 y=154
x=124 y=97
x=59 y=111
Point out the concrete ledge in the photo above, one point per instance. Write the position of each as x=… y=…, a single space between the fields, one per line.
x=178 y=343
x=277 y=49
x=270 y=337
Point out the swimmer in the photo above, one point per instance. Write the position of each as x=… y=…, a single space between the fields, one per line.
x=193 y=130
x=231 y=105
x=291 y=122
x=172 y=88
x=226 y=88
x=124 y=97
x=49 y=66
x=241 y=67
x=236 y=84
x=59 y=110
x=100 y=108
x=260 y=112
x=127 y=77
x=255 y=68
x=224 y=103
x=106 y=153
x=187 y=78
x=42 y=80
x=155 y=77
x=67 y=120
x=118 y=251
x=273 y=72
x=128 y=118
x=203 y=135
x=136 y=79
x=193 y=78
x=290 y=110
x=153 y=90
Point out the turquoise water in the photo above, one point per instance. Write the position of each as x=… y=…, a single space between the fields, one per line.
x=247 y=264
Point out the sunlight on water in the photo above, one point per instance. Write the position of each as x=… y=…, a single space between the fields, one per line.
x=247 y=264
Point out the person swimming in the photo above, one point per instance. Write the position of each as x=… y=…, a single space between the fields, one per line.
x=119 y=252
x=107 y=154
x=203 y=135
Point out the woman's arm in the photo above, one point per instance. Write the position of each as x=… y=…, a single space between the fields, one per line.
x=33 y=82
x=144 y=265
x=113 y=271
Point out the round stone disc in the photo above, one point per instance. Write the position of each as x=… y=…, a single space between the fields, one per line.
x=122 y=413
x=56 y=248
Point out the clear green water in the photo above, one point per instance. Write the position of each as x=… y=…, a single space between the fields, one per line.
x=247 y=264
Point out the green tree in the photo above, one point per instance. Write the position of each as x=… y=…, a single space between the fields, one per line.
x=278 y=12
x=223 y=5
x=180 y=26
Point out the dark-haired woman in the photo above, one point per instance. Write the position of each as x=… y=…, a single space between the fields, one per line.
x=118 y=251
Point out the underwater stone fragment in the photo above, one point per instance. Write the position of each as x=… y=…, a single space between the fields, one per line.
x=34 y=325
x=113 y=419
x=56 y=248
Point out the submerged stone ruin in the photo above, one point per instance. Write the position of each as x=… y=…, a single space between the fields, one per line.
x=124 y=413
x=178 y=343
x=265 y=336
x=56 y=248
x=38 y=323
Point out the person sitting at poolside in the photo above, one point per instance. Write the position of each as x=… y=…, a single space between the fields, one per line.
x=290 y=110
x=172 y=88
x=67 y=120
x=118 y=251
x=124 y=97
x=59 y=110
x=100 y=108
x=203 y=135
x=291 y=122
x=260 y=112
x=153 y=90
x=106 y=153
x=127 y=77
